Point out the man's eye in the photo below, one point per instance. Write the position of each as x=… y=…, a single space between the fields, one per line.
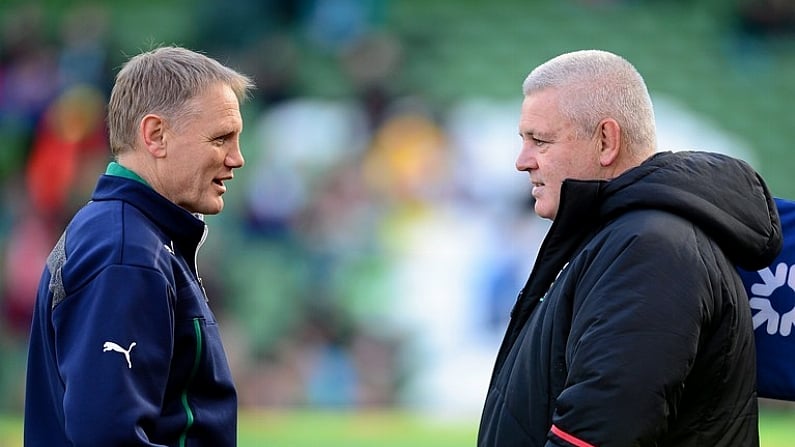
x=538 y=142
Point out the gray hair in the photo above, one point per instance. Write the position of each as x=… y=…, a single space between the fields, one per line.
x=163 y=81
x=595 y=85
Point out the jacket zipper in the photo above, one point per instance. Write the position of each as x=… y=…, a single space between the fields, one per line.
x=196 y=262
x=184 y=398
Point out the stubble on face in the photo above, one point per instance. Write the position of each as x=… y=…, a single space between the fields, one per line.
x=201 y=146
x=541 y=131
x=553 y=151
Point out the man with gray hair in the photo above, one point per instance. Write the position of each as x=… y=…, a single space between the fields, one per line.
x=633 y=328
x=124 y=349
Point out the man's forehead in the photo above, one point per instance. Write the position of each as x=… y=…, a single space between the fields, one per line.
x=540 y=115
x=540 y=126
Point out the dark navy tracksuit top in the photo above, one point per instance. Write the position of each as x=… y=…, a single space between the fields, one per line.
x=124 y=349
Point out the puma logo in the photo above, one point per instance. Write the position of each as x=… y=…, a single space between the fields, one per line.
x=110 y=346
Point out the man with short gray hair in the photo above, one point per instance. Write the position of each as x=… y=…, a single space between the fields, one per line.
x=634 y=328
x=124 y=349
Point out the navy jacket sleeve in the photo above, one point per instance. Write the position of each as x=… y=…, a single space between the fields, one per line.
x=635 y=332
x=114 y=346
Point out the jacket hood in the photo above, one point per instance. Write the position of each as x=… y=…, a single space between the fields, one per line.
x=723 y=196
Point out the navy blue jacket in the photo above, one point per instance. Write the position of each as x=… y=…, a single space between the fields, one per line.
x=634 y=328
x=124 y=349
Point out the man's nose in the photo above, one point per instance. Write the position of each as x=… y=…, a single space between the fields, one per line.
x=235 y=158
x=525 y=161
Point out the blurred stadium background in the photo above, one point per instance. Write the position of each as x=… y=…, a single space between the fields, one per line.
x=370 y=250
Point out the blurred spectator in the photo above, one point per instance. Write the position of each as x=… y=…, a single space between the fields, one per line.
x=68 y=147
x=82 y=58
x=333 y=25
x=277 y=74
x=298 y=143
x=52 y=120
x=244 y=23
x=373 y=64
x=29 y=243
x=408 y=160
x=766 y=18
x=258 y=37
x=70 y=140
x=28 y=80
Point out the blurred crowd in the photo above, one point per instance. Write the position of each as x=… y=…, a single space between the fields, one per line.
x=374 y=242
x=370 y=237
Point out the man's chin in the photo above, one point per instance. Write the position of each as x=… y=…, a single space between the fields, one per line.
x=214 y=210
x=542 y=211
x=209 y=209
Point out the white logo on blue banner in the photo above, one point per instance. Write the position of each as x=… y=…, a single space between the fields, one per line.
x=775 y=322
x=771 y=297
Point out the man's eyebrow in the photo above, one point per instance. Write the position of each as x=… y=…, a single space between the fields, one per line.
x=536 y=134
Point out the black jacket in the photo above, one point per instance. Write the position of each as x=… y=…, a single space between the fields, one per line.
x=634 y=328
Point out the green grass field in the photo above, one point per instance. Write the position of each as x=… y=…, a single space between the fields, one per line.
x=383 y=429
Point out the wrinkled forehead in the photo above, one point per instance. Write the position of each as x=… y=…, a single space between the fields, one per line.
x=541 y=114
x=216 y=103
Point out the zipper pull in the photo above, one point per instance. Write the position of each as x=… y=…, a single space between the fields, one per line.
x=204 y=292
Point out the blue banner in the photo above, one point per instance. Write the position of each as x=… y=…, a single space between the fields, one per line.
x=771 y=294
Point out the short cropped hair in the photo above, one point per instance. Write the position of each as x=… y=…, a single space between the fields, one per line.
x=163 y=81
x=594 y=85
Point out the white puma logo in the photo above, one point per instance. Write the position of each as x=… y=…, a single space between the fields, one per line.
x=110 y=346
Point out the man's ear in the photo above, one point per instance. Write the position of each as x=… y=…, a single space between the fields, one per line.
x=609 y=141
x=152 y=130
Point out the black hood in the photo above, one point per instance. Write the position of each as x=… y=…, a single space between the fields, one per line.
x=722 y=195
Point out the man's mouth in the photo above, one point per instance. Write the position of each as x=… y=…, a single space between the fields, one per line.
x=220 y=180
x=220 y=183
x=536 y=188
